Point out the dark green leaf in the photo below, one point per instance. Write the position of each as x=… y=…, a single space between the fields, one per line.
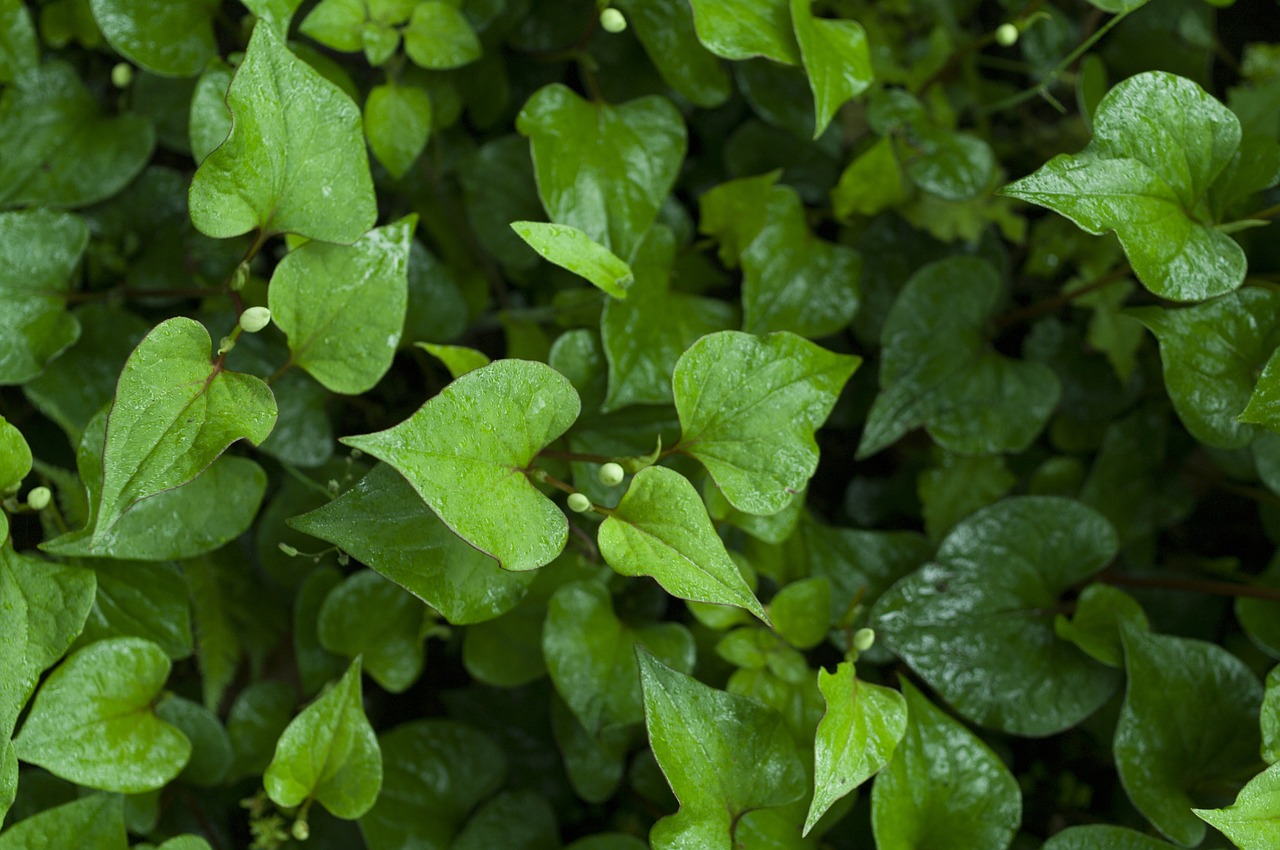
x=138 y=599
x=257 y=719
x=741 y=29
x=519 y=820
x=95 y=822
x=665 y=28
x=735 y=212
x=397 y=120
x=1104 y=838
x=369 y=617
x=172 y=39
x=39 y=251
x=211 y=753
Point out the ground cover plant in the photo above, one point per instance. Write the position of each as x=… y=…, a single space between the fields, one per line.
x=686 y=424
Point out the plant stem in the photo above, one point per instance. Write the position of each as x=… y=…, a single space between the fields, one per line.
x=1192 y=585
x=587 y=457
x=1051 y=305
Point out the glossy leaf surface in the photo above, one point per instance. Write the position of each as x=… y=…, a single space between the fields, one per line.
x=836 y=57
x=170 y=39
x=570 y=248
x=741 y=29
x=1252 y=822
x=95 y=822
x=369 y=617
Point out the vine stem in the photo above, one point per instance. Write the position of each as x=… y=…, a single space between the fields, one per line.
x=1192 y=585
x=1051 y=305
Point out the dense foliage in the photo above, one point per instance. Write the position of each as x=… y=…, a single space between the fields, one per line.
x=687 y=424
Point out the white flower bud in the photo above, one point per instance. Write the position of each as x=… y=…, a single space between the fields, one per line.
x=39 y=497
x=863 y=639
x=611 y=474
x=255 y=319
x=579 y=503
x=611 y=20
x=1007 y=35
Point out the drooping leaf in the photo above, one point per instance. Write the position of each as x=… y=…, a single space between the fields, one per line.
x=343 y=306
x=329 y=754
x=174 y=413
x=39 y=250
x=661 y=529
x=95 y=822
x=591 y=654
x=383 y=522
x=938 y=370
x=170 y=39
x=1159 y=142
x=1164 y=748
x=439 y=37
x=458 y=359
x=369 y=617
x=1211 y=355
x=435 y=772
x=741 y=29
x=794 y=281
x=749 y=407
x=58 y=147
x=722 y=754
x=665 y=28
x=645 y=335
x=836 y=58
x=292 y=164
x=861 y=728
x=602 y=169
x=397 y=120
x=944 y=787
x=92 y=721
x=465 y=452
x=570 y=248
x=1252 y=822
x=982 y=611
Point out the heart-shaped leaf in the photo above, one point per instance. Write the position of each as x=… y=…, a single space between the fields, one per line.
x=837 y=58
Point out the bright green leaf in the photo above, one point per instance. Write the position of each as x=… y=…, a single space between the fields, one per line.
x=982 y=611
x=1096 y=623
x=590 y=655
x=939 y=370
x=92 y=721
x=603 y=169
x=1270 y=719
x=39 y=251
x=397 y=121
x=435 y=772
x=801 y=611
x=329 y=754
x=735 y=212
x=166 y=38
x=174 y=413
x=872 y=182
x=95 y=822
x=722 y=754
x=277 y=13
x=943 y=788
x=749 y=407
x=836 y=57
x=336 y=24
x=15 y=457
x=465 y=452
x=661 y=529
x=370 y=617
x=1164 y=748
x=343 y=306
x=665 y=28
x=458 y=359
x=794 y=281
x=1211 y=355
x=1159 y=141
x=292 y=164
x=574 y=250
x=741 y=29
x=1252 y=822
x=861 y=728
x=439 y=37
x=209 y=122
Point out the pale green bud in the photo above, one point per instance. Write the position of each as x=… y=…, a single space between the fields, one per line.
x=255 y=319
x=611 y=20
x=864 y=639
x=39 y=497
x=1007 y=35
x=611 y=474
x=579 y=503
x=122 y=75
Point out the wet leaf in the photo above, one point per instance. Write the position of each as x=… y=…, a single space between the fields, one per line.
x=170 y=39
x=369 y=617
x=836 y=57
x=665 y=28
x=95 y=822
x=39 y=251
x=1252 y=822
x=741 y=29
x=574 y=250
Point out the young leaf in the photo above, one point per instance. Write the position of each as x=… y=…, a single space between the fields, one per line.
x=1164 y=748
x=458 y=359
x=466 y=451
x=343 y=306
x=369 y=617
x=749 y=407
x=944 y=787
x=173 y=414
x=794 y=281
x=1211 y=355
x=836 y=58
x=665 y=28
x=590 y=655
x=383 y=523
x=1098 y=837
x=1159 y=141
x=439 y=37
x=602 y=169
x=741 y=29
x=435 y=772
x=170 y=39
x=570 y=248
x=1252 y=822
x=292 y=164
x=862 y=725
x=329 y=754
x=939 y=370
x=92 y=721
x=95 y=822
x=57 y=146
x=983 y=611
x=39 y=250
x=397 y=121
x=723 y=755
x=661 y=529
x=276 y=13
x=645 y=335
x=15 y=458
